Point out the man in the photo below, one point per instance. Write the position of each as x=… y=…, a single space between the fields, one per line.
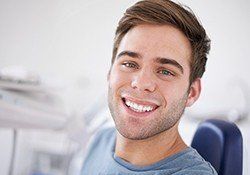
x=159 y=56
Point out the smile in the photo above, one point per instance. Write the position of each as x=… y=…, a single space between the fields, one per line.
x=139 y=107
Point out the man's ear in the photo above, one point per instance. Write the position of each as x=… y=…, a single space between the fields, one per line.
x=194 y=92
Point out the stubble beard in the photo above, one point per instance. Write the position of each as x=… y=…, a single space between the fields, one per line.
x=132 y=128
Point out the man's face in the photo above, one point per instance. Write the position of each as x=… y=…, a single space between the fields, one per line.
x=149 y=81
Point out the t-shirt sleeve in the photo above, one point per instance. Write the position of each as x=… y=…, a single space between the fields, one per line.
x=198 y=170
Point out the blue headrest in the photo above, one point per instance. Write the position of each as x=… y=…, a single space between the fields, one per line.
x=220 y=143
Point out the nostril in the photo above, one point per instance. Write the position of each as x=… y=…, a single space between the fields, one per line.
x=146 y=85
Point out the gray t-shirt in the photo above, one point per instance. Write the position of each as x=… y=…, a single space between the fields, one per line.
x=101 y=160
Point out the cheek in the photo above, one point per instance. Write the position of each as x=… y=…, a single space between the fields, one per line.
x=172 y=91
x=118 y=79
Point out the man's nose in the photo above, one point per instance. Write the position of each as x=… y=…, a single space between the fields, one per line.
x=143 y=80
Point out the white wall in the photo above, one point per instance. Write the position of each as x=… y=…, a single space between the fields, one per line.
x=71 y=40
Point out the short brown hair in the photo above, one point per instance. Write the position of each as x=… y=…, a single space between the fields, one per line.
x=165 y=12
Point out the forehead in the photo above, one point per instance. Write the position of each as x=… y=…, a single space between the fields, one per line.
x=153 y=41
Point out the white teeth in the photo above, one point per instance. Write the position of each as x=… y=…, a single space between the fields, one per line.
x=137 y=107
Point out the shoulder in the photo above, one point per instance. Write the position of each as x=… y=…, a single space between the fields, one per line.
x=102 y=138
x=194 y=164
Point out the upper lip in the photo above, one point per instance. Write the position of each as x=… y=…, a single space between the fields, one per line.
x=142 y=101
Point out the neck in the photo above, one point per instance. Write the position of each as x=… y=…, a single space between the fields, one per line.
x=151 y=150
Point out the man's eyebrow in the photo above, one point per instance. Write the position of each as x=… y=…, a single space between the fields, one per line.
x=129 y=53
x=169 y=61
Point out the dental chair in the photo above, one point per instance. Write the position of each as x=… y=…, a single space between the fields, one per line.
x=220 y=143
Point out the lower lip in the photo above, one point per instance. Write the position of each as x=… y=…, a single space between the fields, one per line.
x=134 y=113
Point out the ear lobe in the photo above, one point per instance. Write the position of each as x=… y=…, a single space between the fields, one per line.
x=194 y=92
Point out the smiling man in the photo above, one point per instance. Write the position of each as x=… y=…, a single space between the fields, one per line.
x=159 y=56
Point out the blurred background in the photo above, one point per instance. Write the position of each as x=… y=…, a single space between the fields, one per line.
x=54 y=58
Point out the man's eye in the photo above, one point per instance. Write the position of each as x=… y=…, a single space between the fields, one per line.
x=166 y=72
x=130 y=65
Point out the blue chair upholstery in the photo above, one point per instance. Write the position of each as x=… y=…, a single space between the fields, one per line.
x=220 y=143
